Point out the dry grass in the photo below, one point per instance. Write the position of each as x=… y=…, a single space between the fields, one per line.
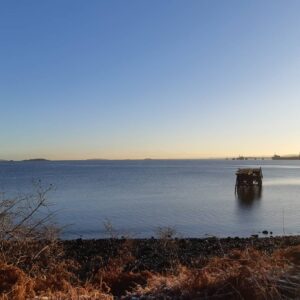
x=17 y=285
x=247 y=274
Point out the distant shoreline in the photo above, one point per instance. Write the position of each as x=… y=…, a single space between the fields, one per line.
x=125 y=159
x=290 y=158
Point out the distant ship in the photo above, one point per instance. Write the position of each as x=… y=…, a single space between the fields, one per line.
x=278 y=157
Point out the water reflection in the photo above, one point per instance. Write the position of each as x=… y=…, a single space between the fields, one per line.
x=247 y=196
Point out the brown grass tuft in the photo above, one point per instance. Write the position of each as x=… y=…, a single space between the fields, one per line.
x=248 y=274
x=14 y=284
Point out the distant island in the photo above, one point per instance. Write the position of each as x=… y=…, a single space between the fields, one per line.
x=24 y=160
x=36 y=159
x=95 y=159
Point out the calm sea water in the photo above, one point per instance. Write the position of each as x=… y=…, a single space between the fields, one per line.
x=196 y=197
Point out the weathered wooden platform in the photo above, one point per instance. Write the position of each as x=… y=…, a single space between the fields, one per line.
x=249 y=177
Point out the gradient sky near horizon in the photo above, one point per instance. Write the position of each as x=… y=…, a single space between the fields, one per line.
x=160 y=79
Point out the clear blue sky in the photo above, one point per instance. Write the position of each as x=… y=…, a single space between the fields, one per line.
x=133 y=79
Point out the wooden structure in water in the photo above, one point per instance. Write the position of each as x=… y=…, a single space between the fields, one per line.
x=248 y=177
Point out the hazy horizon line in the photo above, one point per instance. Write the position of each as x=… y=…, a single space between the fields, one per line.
x=146 y=158
x=224 y=157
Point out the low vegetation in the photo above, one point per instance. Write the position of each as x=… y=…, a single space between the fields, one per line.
x=44 y=272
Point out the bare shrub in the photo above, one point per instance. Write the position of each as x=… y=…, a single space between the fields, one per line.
x=165 y=233
x=167 y=248
x=27 y=216
x=110 y=230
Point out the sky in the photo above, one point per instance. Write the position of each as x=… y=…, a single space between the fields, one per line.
x=151 y=78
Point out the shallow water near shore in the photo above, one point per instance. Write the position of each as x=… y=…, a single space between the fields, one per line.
x=196 y=197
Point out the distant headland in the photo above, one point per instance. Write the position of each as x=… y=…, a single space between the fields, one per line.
x=26 y=160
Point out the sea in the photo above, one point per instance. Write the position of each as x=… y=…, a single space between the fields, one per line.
x=140 y=198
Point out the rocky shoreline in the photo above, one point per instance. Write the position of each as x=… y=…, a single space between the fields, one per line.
x=158 y=255
x=165 y=268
